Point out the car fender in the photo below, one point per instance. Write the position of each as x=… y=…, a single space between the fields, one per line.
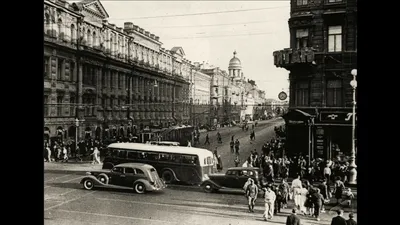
x=172 y=171
x=94 y=179
x=212 y=183
x=145 y=182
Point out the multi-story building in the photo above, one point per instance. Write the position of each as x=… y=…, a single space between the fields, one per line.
x=200 y=96
x=322 y=53
x=113 y=80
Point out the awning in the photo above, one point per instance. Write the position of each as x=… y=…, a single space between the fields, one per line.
x=296 y=115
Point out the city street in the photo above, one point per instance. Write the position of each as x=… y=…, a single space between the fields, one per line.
x=66 y=202
x=264 y=132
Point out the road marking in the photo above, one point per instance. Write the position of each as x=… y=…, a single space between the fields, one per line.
x=116 y=216
x=68 y=180
x=74 y=199
x=57 y=178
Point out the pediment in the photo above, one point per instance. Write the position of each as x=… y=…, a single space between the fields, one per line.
x=94 y=7
x=178 y=50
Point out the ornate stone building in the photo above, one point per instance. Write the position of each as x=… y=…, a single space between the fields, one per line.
x=114 y=80
x=322 y=53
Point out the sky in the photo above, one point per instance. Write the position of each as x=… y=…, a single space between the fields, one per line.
x=213 y=37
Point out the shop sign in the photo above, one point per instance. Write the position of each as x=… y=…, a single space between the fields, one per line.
x=336 y=117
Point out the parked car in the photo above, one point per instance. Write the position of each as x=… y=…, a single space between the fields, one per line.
x=234 y=177
x=139 y=176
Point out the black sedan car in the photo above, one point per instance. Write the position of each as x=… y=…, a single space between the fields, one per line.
x=234 y=177
x=141 y=177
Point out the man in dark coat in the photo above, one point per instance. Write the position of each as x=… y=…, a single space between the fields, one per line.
x=293 y=219
x=351 y=221
x=339 y=220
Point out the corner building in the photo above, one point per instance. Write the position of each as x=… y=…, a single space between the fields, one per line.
x=114 y=80
x=322 y=53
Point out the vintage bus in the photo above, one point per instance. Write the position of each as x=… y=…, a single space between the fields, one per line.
x=175 y=164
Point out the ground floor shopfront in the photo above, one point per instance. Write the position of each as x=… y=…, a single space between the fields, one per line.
x=320 y=133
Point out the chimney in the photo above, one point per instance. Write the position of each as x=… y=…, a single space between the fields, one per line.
x=112 y=25
x=152 y=36
x=147 y=33
x=157 y=38
x=141 y=30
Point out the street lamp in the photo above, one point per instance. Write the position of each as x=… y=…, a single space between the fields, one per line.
x=352 y=165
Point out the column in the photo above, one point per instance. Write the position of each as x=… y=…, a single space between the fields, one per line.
x=98 y=88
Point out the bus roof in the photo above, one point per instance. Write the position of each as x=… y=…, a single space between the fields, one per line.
x=161 y=148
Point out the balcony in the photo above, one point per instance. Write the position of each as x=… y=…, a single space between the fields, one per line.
x=288 y=58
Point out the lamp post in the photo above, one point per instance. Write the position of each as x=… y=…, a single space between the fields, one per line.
x=76 y=133
x=352 y=165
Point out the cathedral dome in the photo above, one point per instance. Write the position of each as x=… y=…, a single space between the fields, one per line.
x=235 y=63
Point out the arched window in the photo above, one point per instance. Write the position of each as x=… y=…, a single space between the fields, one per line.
x=94 y=43
x=47 y=25
x=72 y=32
x=82 y=35
x=60 y=30
x=89 y=41
x=111 y=45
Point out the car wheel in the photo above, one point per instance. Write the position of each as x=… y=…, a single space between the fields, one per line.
x=103 y=178
x=140 y=188
x=88 y=184
x=208 y=188
x=168 y=177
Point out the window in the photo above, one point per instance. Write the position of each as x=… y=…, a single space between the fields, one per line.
x=302 y=93
x=232 y=172
x=138 y=171
x=190 y=159
x=133 y=155
x=73 y=32
x=60 y=31
x=46 y=67
x=59 y=105
x=71 y=71
x=72 y=105
x=60 y=69
x=301 y=2
x=103 y=79
x=335 y=38
x=88 y=38
x=301 y=38
x=118 y=170
x=46 y=107
x=334 y=93
x=129 y=170
x=94 y=39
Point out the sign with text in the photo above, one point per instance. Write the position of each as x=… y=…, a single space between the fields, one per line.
x=336 y=117
x=319 y=142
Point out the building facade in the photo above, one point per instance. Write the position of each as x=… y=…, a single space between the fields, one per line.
x=114 y=80
x=322 y=53
x=200 y=96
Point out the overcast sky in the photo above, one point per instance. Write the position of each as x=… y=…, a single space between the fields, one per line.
x=212 y=38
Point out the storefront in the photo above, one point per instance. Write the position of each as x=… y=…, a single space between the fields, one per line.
x=326 y=134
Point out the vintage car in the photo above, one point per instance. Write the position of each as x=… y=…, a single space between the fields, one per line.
x=139 y=176
x=234 y=177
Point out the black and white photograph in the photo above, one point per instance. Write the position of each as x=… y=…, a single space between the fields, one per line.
x=200 y=112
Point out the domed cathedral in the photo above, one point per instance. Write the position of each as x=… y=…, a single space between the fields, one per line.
x=235 y=69
x=236 y=87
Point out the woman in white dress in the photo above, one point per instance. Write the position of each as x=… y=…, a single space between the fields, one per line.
x=303 y=199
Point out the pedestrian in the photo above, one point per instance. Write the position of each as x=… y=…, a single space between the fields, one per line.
x=339 y=220
x=284 y=187
x=296 y=190
x=251 y=194
x=65 y=154
x=219 y=165
x=219 y=138
x=338 y=189
x=318 y=200
x=293 y=219
x=269 y=199
x=237 y=144
x=327 y=174
x=278 y=201
x=232 y=145
x=96 y=158
x=351 y=221
x=207 y=140
x=324 y=191
x=48 y=151
x=237 y=161
x=189 y=144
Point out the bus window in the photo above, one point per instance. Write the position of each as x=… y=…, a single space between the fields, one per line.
x=133 y=155
x=114 y=153
x=142 y=155
x=152 y=156
x=209 y=161
x=122 y=154
x=190 y=159
x=164 y=157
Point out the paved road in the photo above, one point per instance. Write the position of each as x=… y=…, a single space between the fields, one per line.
x=264 y=132
x=66 y=202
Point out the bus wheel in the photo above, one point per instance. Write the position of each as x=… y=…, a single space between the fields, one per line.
x=168 y=177
x=208 y=188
